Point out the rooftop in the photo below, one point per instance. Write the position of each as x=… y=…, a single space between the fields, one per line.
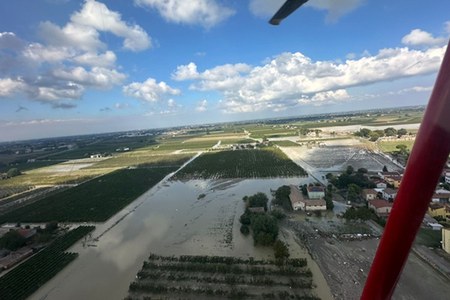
x=380 y=203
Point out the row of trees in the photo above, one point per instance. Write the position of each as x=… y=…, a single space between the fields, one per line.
x=376 y=134
x=350 y=177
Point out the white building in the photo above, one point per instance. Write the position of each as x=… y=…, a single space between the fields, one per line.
x=316 y=192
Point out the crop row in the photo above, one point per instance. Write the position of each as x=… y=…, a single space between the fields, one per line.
x=96 y=200
x=227 y=260
x=268 y=162
x=224 y=269
x=27 y=277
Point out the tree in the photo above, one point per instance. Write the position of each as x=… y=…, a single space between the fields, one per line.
x=281 y=252
x=13 y=172
x=265 y=229
x=350 y=170
x=353 y=192
x=362 y=171
x=373 y=136
x=385 y=169
x=390 y=131
x=12 y=240
x=245 y=230
x=258 y=200
x=329 y=199
x=402 y=131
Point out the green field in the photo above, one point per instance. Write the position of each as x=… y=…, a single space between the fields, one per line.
x=93 y=201
x=268 y=162
x=26 y=278
x=141 y=158
x=390 y=146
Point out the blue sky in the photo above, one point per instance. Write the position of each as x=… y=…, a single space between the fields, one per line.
x=73 y=67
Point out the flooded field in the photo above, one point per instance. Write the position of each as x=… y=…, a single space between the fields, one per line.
x=336 y=158
x=170 y=219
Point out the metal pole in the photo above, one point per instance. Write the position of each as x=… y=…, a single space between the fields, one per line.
x=425 y=164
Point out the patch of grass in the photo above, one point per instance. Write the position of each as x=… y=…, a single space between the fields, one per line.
x=268 y=162
x=389 y=146
x=95 y=200
x=140 y=158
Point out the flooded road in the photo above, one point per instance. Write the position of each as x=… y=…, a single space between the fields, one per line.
x=197 y=217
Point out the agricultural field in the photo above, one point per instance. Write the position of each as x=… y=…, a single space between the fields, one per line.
x=27 y=277
x=390 y=146
x=267 y=162
x=141 y=158
x=95 y=200
x=211 y=277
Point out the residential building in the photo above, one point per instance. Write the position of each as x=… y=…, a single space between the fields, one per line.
x=431 y=222
x=394 y=180
x=446 y=239
x=436 y=209
x=381 y=207
x=381 y=184
x=298 y=201
x=383 y=175
x=316 y=192
x=441 y=198
x=369 y=194
x=389 y=194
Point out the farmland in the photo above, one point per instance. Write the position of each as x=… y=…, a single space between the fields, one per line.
x=268 y=162
x=23 y=280
x=95 y=200
x=390 y=146
x=227 y=277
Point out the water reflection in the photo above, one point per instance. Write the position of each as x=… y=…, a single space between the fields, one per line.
x=170 y=219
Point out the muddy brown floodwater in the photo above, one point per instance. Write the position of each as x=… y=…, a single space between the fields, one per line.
x=169 y=219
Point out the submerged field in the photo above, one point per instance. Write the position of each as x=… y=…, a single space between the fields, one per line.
x=267 y=162
x=210 y=277
x=95 y=200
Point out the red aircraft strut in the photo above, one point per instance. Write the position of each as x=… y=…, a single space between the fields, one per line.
x=424 y=167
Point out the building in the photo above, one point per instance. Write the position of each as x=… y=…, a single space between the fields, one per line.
x=369 y=194
x=436 y=209
x=383 y=175
x=441 y=198
x=431 y=222
x=394 y=180
x=446 y=174
x=381 y=184
x=389 y=194
x=381 y=207
x=316 y=192
x=446 y=239
x=299 y=202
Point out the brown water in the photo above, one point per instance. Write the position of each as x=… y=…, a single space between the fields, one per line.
x=169 y=220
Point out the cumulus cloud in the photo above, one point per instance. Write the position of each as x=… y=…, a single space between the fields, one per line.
x=418 y=37
x=150 y=90
x=206 y=13
x=202 y=106
x=97 y=16
x=293 y=78
x=69 y=58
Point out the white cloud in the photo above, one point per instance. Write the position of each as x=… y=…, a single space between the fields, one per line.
x=415 y=89
x=292 y=78
x=418 y=37
x=70 y=58
x=206 y=13
x=10 y=86
x=149 y=90
x=221 y=77
x=202 y=106
x=121 y=105
x=97 y=16
x=96 y=77
x=335 y=9
x=8 y=40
